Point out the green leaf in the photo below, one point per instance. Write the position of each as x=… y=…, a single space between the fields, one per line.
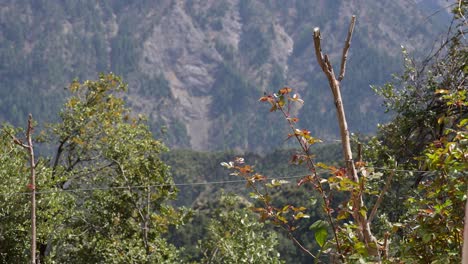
x=320 y=229
x=322 y=165
x=301 y=215
x=321 y=236
x=342 y=215
x=313 y=201
x=363 y=212
x=282 y=219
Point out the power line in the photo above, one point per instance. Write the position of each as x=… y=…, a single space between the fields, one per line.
x=146 y=186
x=49 y=191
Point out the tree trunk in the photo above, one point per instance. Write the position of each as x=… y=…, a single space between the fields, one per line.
x=364 y=232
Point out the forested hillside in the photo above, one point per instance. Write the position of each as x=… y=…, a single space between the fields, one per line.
x=205 y=131
x=198 y=67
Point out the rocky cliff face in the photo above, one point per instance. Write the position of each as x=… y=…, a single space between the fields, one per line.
x=198 y=67
x=188 y=54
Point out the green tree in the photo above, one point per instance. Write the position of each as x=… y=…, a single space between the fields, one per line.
x=105 y=190
x=428 y=133
x=53 y=208
x=234 y=237
x=433 y=224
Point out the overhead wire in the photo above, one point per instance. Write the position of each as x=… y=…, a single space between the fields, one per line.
x=49 y=191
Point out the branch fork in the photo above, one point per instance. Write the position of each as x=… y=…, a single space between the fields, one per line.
x=364 y=233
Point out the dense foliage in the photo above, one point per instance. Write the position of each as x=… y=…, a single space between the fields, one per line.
x=429 y=134
x=235 y=45
x=104 y=191
x=106 y=188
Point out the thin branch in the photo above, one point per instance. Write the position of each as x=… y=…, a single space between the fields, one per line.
x=346 y=48
x=318 y=48
x=312 y=168
x=324 y=62
x=379 y=200
x=282 y=226
x=385 y=245
x=32 y=183
x=16 y=140
x=300 y=245
x=460 y=10
x=57 y=156
x=32 y=186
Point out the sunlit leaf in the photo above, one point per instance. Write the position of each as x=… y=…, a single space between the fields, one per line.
x=320 y=229
x=285 y=90
x=301 y=215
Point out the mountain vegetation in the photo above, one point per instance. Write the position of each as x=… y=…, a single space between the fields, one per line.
x=237 y=77
x=194 y=67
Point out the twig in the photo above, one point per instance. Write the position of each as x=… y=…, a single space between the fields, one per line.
x=33 y=189
x=300 y=245
x=318 y=48
x=312 y=168
x=346 y=48
x=385 y=246
x=32 y=183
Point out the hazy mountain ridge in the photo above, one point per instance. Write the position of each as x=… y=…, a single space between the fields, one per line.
x=198 y=67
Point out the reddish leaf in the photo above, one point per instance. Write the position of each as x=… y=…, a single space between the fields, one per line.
x=360 y=164
x=306 y=179
x=340 y=172
x=285 y=90
x=246 y=169
x=293 y=119
x=259 y=177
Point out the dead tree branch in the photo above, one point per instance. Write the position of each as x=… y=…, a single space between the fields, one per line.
x=32 y=183
x=364 y=232
x=344 y=57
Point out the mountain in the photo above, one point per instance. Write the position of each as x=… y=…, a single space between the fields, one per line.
x=197 y=68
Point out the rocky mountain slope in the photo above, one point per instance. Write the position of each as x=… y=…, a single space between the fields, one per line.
x=198 y=67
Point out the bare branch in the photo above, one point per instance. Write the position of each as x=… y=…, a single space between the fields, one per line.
x=364 y=233
x=318 y=48
x=346 y=48
x=17 y=141
x=32 y=186
x=301 y=246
